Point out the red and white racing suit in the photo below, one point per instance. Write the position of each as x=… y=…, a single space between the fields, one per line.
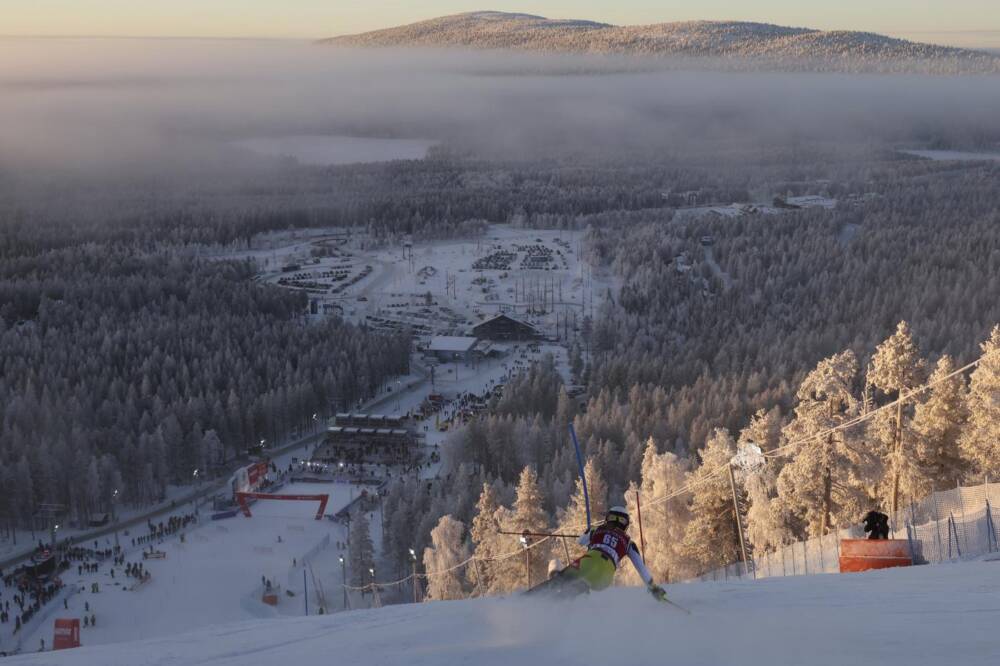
x=613 y=544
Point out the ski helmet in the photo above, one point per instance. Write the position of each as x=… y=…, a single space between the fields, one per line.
x=617 y=517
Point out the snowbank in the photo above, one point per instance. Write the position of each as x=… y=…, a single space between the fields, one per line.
x=941 y=614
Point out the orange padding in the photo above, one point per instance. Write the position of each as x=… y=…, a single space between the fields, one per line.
x=867 y=554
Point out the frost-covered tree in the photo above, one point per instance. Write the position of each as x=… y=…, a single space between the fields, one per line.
x=663 y=521
x=573 y=518
x=980 y=440
x=768 y=522
x=487 y=543
x=896 y=368
x=213 y=450
x=823 y=482
x=937 y=426
x=711 y=537
x=529 y=516
x=361 y=550
x=447 y=551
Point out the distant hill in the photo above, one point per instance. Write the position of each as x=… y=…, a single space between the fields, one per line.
x=758 y=45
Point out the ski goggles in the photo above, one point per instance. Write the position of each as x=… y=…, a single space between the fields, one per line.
x=615 y=519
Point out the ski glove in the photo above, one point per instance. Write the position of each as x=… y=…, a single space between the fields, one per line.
x=658 y=592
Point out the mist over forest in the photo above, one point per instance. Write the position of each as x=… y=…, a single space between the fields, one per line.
x=165 y=105
x=753 y=234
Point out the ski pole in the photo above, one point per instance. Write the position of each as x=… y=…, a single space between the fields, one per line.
x=583 y=476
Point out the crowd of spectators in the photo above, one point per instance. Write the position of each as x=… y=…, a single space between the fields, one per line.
x=158 y=531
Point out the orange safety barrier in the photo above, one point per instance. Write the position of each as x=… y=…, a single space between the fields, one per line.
x=866 y=554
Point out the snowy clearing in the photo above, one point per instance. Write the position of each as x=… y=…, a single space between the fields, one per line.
x=944 y=614
x=953 y=155
x=214 y=576
x=333 y=150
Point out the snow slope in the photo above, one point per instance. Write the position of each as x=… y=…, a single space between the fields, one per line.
x=944 y=614
x=215 y=575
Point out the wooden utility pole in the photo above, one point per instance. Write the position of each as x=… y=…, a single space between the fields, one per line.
x=739 y=520
x=416 y=597
x=897 y=448
x=526 y=542
x=827 y=482
x=827 y=495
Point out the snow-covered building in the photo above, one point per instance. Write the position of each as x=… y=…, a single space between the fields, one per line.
x=812 y=201
x=451 y=347
x=367 y=438
x=505 y=327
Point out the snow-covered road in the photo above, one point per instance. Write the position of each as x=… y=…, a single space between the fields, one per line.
x=944 y=614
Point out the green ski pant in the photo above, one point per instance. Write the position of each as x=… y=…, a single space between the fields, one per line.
x=594 y=569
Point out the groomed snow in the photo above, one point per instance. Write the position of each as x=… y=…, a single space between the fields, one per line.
x=215 y=575
x=944 y=614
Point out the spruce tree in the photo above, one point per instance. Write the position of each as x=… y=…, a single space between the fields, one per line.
x=529 y=516
x=711 y=538
x=980 y=440
x=823 y=483
x=938 y=424
x=486 y=542
x=767 y=516
x=447 y=551
x=896 y=368
x=361 y=553
x=663 y=522
x=573 y=518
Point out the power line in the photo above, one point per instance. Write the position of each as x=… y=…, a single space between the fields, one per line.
x=711 y=475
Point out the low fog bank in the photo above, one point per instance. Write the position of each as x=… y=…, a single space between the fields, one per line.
x=162 y=105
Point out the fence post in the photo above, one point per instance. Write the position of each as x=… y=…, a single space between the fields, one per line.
x=952 y=527
x=991 y=536
x=909 y=538
x=937 y=526
x=949 y=537
x=961 y=503
x=805 y=556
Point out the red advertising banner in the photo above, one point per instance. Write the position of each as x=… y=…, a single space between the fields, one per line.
x=256 y=473
x=67 y=633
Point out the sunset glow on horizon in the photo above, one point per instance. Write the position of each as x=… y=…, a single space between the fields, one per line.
x=961 y=22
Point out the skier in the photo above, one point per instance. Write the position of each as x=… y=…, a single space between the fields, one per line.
x=606 y=545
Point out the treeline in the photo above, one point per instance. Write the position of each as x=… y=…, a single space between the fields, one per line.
x=433 y=198
x=701 y=347
x=126 y=371
x=818 y=473
x=787 y=290
x=448 y=195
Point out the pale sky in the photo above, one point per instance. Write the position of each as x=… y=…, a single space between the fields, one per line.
x=964 y=22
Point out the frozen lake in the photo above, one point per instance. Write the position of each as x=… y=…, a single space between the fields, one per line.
x=320 y=150
x=953 y=155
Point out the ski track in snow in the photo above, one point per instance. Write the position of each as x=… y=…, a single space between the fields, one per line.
x=940 y=614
